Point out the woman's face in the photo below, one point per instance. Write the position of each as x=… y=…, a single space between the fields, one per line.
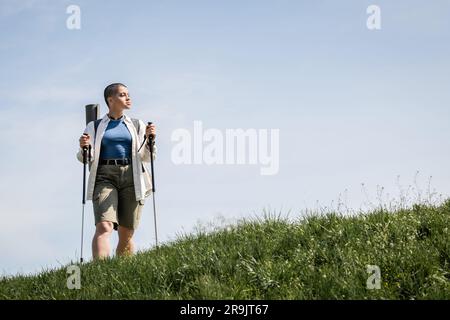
x=121 y=100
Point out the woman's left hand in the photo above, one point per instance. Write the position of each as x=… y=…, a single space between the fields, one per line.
x=150 y=130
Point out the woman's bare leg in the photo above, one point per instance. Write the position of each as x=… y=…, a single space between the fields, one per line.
x=125 y=246
x=100 y=243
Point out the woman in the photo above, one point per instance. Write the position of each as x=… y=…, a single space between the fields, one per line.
x=118 y=179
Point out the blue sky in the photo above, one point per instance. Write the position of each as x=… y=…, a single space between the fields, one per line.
x=352 y=105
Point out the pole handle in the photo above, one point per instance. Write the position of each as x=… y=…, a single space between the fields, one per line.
x=151 y=136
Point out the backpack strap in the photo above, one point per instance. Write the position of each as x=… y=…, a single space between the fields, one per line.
x=137 y=124
x=96 y=123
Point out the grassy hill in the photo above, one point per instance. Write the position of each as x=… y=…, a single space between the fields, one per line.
x=317 y=257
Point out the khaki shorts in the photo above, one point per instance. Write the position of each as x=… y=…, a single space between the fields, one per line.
x=114 y=198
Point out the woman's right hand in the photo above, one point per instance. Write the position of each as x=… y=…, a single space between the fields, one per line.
x=84 y=140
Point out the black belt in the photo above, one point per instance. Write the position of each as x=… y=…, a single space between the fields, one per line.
x=117 y=162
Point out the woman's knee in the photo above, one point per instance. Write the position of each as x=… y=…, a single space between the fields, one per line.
x=104 y=228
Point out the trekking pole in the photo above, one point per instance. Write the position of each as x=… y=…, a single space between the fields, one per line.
x=85 y=149
x=151 y=142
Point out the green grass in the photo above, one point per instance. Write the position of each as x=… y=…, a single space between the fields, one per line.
x=317 y=257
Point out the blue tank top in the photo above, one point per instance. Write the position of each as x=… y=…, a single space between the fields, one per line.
x=116 y=142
